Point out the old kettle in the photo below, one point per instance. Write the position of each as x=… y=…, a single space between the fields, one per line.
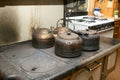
x=42 y=38
x=68 y=45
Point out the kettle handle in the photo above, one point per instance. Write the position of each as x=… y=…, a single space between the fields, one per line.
x=57 y=24
x=33 y=29
x=72 y=24
x=68 y=20
x=52 y=29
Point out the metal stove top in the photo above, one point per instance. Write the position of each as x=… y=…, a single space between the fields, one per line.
x=24 y=62
x=84 y=22
x=90 y=20
x=32 y=62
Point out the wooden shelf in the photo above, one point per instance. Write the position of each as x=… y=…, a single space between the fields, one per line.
x=117 y=29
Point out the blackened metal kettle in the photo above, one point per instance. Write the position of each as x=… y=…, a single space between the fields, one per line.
x=68 y=45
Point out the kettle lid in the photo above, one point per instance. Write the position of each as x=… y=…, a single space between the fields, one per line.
x=62 y=29
x=68 y=36
x=43 y=30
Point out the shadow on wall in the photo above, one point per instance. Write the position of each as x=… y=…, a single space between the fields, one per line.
x=31 y=2
x=8 y=26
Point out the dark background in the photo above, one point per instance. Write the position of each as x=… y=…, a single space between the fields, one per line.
x=30 y=2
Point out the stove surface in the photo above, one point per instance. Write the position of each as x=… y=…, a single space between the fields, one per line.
x=90 y=22
x=32 y=62
x=24 y=61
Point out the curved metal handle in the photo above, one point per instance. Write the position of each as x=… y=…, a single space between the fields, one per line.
x=72 y=24
x=68 y=20
x=57 y=24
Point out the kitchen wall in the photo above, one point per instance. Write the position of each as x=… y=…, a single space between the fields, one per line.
x=16 y=21
x=107 y=6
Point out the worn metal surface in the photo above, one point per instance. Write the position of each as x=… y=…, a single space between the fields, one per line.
x=42 y=38
x=16 y=21
x=9 y=30
x=68 y=45
x=25 y=62
x=90 y=39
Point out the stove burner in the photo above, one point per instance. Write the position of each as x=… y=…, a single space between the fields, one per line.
x=104 y=19
x=91 y=18
x=79 y=20
x=85 y=17
x=38 y=64
x=90 y=21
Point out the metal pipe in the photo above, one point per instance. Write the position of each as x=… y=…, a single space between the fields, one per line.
x=64 y=14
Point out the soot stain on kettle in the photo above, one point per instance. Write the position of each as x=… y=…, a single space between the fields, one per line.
x=8 y=26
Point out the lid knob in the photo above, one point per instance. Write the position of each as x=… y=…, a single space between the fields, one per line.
x=85 y=34
x=87 y=29
x=69 y=33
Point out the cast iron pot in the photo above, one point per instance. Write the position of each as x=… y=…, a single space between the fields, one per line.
x=91 y=39
x=68 y=45
x=42 y=38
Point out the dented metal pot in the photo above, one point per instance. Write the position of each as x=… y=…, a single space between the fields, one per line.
x=68 y=45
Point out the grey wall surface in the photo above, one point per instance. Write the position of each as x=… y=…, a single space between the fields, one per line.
x=16 y=20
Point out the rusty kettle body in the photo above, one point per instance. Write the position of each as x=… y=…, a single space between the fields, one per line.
x=42 y=38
